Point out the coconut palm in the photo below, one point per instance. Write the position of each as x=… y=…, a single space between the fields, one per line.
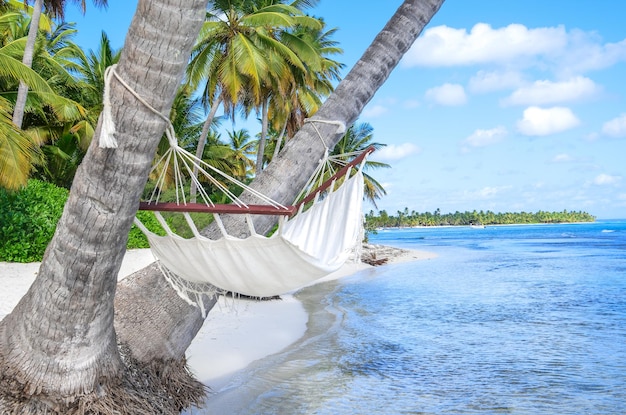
x=295 y=94
x=16 y=156
x=281 y=180
x=79 y=77
x=239 y=51
x=54 y=8
x=58 y=348
x=356 y=139
x=289 y=110
x=89 y=68
x=243 y=148
x=56 y=122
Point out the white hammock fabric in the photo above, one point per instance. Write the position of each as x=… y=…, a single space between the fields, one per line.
x=309 y=246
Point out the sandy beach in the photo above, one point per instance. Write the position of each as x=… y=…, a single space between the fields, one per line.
x=223 y=346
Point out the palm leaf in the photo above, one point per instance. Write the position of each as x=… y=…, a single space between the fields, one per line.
x=16 y=70
x=16 y=151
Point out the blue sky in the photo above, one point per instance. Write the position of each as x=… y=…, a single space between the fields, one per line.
x=499 y=105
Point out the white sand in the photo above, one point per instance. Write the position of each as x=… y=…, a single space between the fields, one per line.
x=236 y=332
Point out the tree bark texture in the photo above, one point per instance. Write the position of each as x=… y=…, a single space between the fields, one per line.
x=59 y=342
x=285 y=176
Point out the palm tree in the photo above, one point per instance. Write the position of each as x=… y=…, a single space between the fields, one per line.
x=16 y=156
x=297 y=162
x=55 y=8
x=242 y=148
x=296 y=94
x=356 y=139
x=55 y=121
x=238 y=52
x=281 y=180
x=78 y=76
x=57 y=347
x=90 y=68
x=288 y=111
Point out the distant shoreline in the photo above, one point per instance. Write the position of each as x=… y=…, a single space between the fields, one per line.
x=486 y=226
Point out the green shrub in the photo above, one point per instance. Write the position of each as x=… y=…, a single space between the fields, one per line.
x=136 y=238
x=28 y=219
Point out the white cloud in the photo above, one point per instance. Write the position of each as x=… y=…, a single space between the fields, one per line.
x=485 y=81
x=606 y=179
x=446 y=46
x=548 y=92
x=396 y=152
x=375 y=111
x=447 y=94
x=586 y=52
x=482 y=138
x=615 y=127
x=562 y=158
x=545 y=121
x=567 y=53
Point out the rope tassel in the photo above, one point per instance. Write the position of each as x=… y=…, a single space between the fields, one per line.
x=107 y=132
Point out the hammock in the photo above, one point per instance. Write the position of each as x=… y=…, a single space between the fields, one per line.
x=314 y=238
x=308 y=246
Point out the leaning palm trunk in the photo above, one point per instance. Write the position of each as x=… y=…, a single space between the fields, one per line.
x=58 y=348
x=281 y=180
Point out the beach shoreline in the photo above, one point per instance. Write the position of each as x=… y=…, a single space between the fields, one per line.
x=236 y=332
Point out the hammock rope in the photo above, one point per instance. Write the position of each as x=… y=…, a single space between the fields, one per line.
x=314 y=237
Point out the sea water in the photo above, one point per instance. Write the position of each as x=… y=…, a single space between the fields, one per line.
x=506 y=320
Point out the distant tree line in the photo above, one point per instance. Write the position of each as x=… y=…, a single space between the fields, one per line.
x=408 y=219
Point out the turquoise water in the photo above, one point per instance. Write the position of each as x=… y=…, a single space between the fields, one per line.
x=506 y=320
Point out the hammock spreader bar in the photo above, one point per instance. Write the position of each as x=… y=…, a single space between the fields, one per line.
x=254 y=209
x=217 y=208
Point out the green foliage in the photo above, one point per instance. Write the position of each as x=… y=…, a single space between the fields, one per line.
x=28 y=220
x=408 y=219
x=136 y=238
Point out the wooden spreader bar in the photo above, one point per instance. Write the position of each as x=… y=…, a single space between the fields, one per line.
x=251 y=209
x=204 y=208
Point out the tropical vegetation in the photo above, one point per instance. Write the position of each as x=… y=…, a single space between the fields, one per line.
x=266 y=58
x=82 y=344
x=404 y=218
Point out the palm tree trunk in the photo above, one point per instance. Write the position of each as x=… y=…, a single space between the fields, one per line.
x=279 y=141
x=286 y=175
x=58 y=348
x=27 y=59
x=262 y=140
x=62 y=326
x=202 y=143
